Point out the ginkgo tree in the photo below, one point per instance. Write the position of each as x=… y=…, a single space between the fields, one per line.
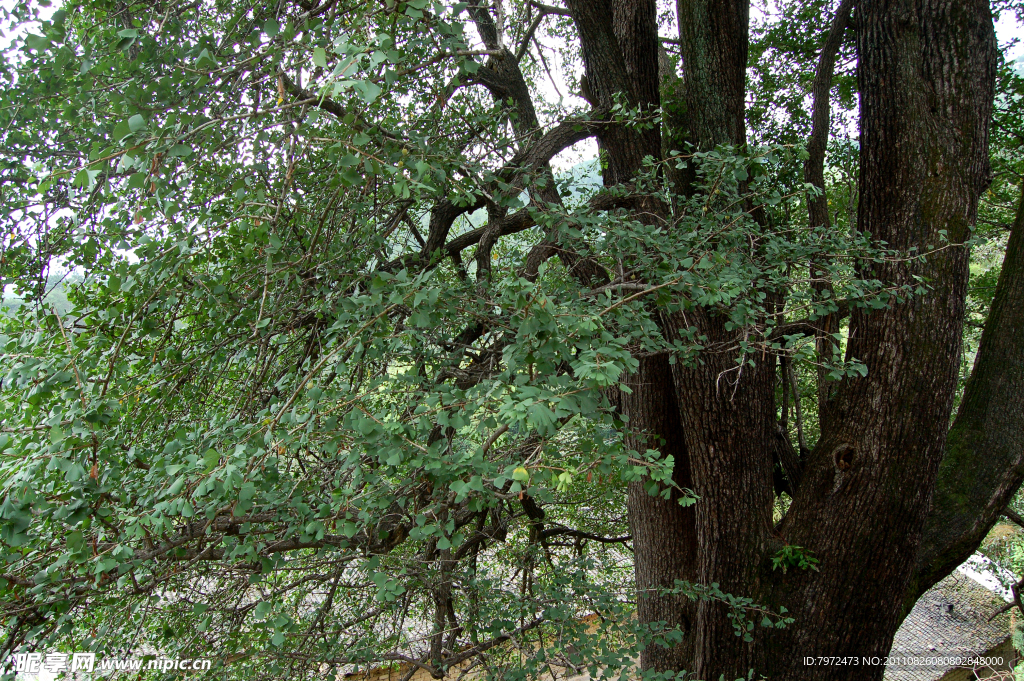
x=353 y=373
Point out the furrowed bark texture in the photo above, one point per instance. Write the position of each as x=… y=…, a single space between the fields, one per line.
x=664 y=533
x=726 y=412
x=726 y=409
x=713 y=37
x=727 y=417
x=926 y=76
x=635 y=25
x=984 y=462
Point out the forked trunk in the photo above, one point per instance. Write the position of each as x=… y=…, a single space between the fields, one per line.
x=926 y=80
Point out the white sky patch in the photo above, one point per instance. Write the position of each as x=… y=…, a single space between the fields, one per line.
x=990 y=575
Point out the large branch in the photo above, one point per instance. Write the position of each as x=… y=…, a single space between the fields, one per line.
x=814 y=166
x=619 y=43
x=714 y=44
x=984 y=462
x=814 y=173
x=503 y=77
x=532 y=158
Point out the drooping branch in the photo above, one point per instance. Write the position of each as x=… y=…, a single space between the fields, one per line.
x=808 y=327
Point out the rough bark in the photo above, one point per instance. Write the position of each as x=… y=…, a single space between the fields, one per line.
x=713 y=35
x=984 y=462
x=727 y=409
x=926 y=78
x=727 y=414
x=664 y=532
x=635 y=25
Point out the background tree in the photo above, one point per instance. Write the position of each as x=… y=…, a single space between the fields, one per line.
x=353 y=375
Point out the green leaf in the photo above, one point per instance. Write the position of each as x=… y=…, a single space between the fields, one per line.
x=136 y=123
x=121 y=130
x=37 y=42
x=367 y=90
x=320 y=57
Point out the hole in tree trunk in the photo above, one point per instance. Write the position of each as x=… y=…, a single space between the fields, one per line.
x=844 y=457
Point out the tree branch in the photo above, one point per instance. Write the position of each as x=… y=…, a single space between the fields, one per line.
x=814 y=173
x=551 y=9
x=569 y=532
x=1012 y=515
x=543 y=11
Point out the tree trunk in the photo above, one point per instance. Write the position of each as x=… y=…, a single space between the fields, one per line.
x=727 y=413
x=926 y=80
x=984 y=462
x=727 y=409
x=664 y=532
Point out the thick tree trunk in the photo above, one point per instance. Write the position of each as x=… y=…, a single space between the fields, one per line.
x=727 y=413
x=984 y=462
x=713 y=35
x=926 y=77
x=664 y=532
x=727 y=409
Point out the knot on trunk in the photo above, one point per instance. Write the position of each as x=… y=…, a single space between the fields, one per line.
x=843 y=455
